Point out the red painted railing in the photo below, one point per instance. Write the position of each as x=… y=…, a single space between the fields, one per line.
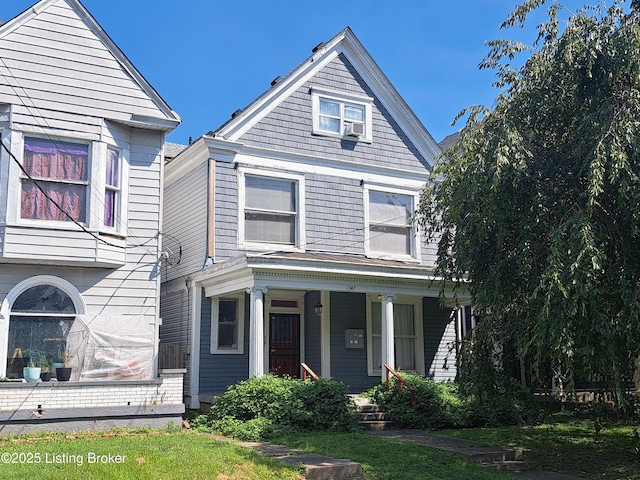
x=306 y=370
x=401 y=383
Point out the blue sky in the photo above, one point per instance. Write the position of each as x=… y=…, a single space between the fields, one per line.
x=207 y=58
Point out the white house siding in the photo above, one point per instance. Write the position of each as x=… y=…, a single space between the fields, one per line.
x=185 y=219
x=55 y=60
x=288 y=127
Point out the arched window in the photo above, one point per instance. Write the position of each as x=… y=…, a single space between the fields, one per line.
x=40 y=319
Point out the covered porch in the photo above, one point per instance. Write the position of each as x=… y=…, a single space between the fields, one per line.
x=344 y=316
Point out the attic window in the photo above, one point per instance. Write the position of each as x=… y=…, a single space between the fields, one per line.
x=346 y=116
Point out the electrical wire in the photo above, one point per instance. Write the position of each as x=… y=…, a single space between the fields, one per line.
x=53 y=140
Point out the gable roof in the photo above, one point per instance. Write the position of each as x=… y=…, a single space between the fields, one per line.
x=73 y=40
x=345 y=43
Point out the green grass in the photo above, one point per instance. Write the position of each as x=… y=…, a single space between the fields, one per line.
x=388 y=459
x=572 y=448
x=150 y=455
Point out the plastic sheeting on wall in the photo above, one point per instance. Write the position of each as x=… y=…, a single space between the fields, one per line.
x=111 y=348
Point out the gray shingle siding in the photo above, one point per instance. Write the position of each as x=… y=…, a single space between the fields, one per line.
x=289 y=126
x=226 y=205
x=334 y=214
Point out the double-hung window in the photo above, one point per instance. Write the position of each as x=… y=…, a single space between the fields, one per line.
x=407 y=337
x=344 y=115
x=112 y=188
x=227 y=325
x=55 y=180
x=270 y=210
x=390 y=229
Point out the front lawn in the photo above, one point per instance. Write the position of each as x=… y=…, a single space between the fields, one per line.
x=572 y=448
x=388 y=459
x=130 y=455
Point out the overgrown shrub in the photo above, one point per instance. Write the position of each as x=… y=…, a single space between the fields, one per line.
x=261 y=407
x=438 y=404
x=441 y=405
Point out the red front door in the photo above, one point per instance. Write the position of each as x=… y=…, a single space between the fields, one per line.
x=284 y=344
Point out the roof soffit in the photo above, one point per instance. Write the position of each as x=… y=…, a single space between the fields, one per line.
x=346 y=43
x=170 y=120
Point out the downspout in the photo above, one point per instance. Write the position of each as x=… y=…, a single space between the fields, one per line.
x=211 y=212
x=194 y=347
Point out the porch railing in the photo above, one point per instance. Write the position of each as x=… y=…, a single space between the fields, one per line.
x=401 y=383
x=306 y=370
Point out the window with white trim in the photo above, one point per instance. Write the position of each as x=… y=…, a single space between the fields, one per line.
x=347 y=116
x=41 y=318
x=55 y=180
x=227 y=325
x=407 y=333
x=271 y=210
x=390 y=229
x=112 y=188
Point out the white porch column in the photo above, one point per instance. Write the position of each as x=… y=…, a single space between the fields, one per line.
x=388 y=354
x=256 y=331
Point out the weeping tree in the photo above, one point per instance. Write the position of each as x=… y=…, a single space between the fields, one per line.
x=536 y=209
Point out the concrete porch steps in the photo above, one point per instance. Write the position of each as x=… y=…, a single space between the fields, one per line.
x=373 y=417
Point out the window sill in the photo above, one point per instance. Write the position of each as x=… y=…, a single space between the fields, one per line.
x=269 y=247
x=227 y=352
x=348 y=138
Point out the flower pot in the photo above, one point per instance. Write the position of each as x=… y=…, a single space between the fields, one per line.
x=63 y=374
x=31 y=374
x=45 y=376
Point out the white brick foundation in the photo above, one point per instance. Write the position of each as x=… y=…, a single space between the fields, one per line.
x=50 y=405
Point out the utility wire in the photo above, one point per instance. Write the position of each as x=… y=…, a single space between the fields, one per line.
x=55 y=141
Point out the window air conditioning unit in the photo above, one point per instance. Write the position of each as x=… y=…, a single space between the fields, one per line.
x=355 y=129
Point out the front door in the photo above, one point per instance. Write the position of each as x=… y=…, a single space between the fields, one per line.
x=284 y=344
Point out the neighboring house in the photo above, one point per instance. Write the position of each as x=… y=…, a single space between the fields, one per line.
x=80 y=242
x=294 y=221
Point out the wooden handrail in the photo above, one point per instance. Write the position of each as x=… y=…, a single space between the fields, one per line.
x=306 y=370
x=401 y=382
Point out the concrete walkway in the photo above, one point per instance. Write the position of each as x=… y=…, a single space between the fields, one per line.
x=319 y=467
x=488 y=457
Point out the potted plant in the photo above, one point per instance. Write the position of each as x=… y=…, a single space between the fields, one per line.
x=31 y=372
x=63 y=374
x=45 y=366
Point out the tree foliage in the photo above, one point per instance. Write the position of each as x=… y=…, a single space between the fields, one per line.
x=536 y=209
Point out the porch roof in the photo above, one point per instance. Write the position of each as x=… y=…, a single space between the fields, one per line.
x=318 y=271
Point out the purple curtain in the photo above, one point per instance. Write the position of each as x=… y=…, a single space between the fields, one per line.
x=50 y=164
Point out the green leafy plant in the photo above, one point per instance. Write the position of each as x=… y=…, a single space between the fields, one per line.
x=44 y=364
x=260 y=407
x=444 y=405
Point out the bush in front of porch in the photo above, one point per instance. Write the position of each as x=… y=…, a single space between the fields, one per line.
x=442 y=405
x=261 y=407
